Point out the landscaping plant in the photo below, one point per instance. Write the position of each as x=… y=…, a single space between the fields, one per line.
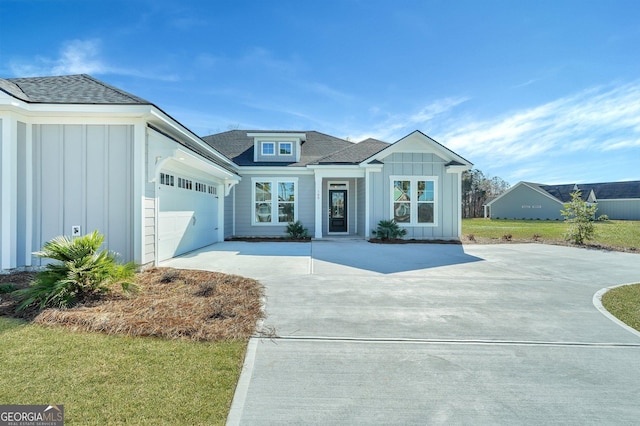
x=296 y=231
x=389 y=230
x=79 y=271
x=579 y=214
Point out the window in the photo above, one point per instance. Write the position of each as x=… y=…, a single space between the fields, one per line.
x=166 y=179
x=268 y=148
x=201 y=187
x=274 y=201
x=185 y=183
x=285 y=148
x=414 y=200
x=213 y=190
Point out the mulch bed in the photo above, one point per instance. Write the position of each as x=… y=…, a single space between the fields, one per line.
x=171 y=303
x=401 y=241
x=270 y=239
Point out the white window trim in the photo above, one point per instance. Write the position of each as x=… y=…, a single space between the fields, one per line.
x=290 y=148
x=414 y=199
x=274 y=181
x=265 y=143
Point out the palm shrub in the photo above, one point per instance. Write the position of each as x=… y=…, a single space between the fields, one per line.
x=79 y=271
x=579 y=214
x=389 y=230
x=296 y=231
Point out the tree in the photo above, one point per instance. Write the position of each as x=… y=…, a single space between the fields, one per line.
x=477 y=189
x=579 y=214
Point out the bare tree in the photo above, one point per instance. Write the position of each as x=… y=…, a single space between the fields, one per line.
x=477 y=189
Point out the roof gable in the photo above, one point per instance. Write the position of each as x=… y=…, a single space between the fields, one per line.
x=419 y=142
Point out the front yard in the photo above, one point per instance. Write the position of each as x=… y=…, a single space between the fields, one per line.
x=613 y=234
x=170 y=355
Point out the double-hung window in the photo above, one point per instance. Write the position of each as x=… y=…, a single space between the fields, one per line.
x=274 y=201
x=414 y=200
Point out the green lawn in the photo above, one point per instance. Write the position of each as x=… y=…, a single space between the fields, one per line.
x=616 y=233
x=624 y=303
x=116 y=380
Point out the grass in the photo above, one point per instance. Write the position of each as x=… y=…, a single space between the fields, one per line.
x=617 y=234
x=624 y=303
x=104 y=379
x=171 y=355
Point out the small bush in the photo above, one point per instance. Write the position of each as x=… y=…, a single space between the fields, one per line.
x=507 y=237
x=537 y=237
x=169 y=276
x=471 y=237
x=579 y=214
x=78 y=273
x=205 y=289
x=296 y=231
x=7 y=288
x=603 y=218
x=389 y=230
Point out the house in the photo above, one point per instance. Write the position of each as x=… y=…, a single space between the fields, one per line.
x=527 y=200
x=77 y=154
x=336 y=187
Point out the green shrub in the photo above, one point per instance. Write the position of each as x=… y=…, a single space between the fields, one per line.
x=296 y=231
x=603 y=218
x=580 y=216
x=7 y=288
x=389 y=230
x=79 y=272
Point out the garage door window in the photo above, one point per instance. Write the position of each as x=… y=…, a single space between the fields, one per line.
x=274 y=201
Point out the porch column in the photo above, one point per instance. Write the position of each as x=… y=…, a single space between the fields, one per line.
x=318 y=207
x=367 y=205
x=8 y=191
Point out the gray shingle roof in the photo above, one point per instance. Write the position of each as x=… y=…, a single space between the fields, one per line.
x=356 y=153
x=602 y=191
x=238 y=147
x=84 y=89
x=68 y=89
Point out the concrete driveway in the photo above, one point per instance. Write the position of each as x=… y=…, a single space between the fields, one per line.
x=433 y=334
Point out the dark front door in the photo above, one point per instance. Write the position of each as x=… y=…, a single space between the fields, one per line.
x=337 y=210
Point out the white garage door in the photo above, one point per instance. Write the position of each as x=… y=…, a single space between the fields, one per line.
x=187 y=218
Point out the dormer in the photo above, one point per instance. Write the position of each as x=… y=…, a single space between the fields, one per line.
x=273 y=147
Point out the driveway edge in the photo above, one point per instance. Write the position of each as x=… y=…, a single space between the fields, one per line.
x=597 y=302
x=240 y=395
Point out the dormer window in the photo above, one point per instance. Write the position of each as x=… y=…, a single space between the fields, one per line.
x=285 y=148
x=268 y=148
x=277 y=147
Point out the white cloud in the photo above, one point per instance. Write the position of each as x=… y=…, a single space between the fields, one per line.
x=600 y=119
x=78 y=57
x=395 y=126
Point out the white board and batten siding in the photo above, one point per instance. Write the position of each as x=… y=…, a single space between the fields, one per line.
x=417 y=164
x=83 y=177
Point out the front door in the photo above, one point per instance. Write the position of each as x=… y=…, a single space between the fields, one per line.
x=337 y=210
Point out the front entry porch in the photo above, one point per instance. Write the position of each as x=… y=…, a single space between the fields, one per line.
x=340 y=206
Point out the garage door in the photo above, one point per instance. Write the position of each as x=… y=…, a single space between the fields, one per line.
x=187 y=216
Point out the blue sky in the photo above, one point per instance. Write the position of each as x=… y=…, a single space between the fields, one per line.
x=543 y=91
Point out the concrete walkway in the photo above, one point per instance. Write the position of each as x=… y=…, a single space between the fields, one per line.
x=432 y=334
